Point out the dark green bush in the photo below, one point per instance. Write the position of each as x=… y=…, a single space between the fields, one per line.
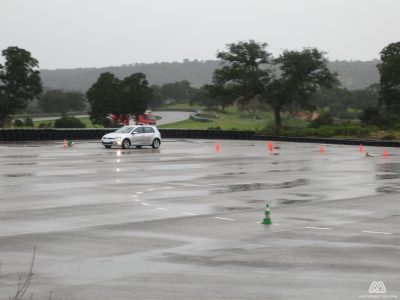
x=373 y=116
x=28 y=122
x=18 y=123
x=389 y=137
x=45 y=125
x=349 y=129
x=325 y=119
x=68 y=122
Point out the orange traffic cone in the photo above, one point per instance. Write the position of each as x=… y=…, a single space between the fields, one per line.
x=270 y=146
x=321 y=149
x=65 y=143
x=361 y=148
x=385 y=153
x=217 y=147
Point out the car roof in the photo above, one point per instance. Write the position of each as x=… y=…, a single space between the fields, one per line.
x=143 y=125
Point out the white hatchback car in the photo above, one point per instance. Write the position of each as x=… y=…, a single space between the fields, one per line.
x=134 y=135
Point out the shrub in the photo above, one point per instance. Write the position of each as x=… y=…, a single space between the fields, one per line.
x=389 y=137
x=45 y=125
x=325 y=119
x=18 y=123
x=373 y=116
x=351 y=129
x=69 y=122
x=28 y=122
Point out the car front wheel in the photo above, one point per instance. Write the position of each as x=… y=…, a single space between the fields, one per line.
x=126 y=144
x=156 y=144
x=108 y=147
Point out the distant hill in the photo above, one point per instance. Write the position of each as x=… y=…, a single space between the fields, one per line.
x=352 y=74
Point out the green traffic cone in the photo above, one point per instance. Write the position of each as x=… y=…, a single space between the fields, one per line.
x=267 y=218
x=70 y=143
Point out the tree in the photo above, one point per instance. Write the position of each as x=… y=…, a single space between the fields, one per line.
x=252 y=107
x=62 y=101
x=157 y=98
x=20 y=81
x=248 y=71
x=218 y=95
x=111 y=95
x=301 y=75
x=103 y=96
x=69 y=122
x=136 y=94
x=76 y=101
x=179 y=91
x=389 y=70
x=54 y=101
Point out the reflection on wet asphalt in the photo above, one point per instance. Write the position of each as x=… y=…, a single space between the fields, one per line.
x=18 y=175
x=263 y=186
x=393 y=167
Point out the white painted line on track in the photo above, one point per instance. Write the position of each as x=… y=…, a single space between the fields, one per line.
x=166 y=187
x=134 y=196
x=146 y=204
x=377 y=232
x=162 y=208
x=150 y=190
x=136 y=200
x=321 y=228
x=258 y=222
x=227 y=219
x=139 y=193
x=189 y=214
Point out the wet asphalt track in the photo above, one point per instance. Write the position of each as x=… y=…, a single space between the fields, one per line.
x=182 y=222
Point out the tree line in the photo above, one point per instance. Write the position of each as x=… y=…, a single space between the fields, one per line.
x=248 y=76
x=352 y=74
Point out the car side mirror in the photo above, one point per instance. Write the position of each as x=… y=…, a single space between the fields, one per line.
x=133 y=133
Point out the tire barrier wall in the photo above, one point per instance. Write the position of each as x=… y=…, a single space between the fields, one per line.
x=97 y=133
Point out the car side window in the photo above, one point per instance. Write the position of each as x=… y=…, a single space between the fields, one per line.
x=148 y=130
x=138 y=130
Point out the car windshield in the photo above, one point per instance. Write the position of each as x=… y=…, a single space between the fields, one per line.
x=124 y=129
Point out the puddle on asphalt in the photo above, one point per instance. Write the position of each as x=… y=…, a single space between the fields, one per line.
x=21 y=164
x=302 y=219
x=388 y=176
x=232 y=173
x=18 y=175
x=388 y=167
x=388 y=189
x=20 y=156
x=263 y=186
x=233 y=208
x=255 y=201
x=292 y=202
x=303 y=195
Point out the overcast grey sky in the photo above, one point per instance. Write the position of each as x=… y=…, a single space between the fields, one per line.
x=96 y=33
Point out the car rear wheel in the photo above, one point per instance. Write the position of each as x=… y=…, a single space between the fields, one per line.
x=156 y=144
x=126 y=144
x=139 y=147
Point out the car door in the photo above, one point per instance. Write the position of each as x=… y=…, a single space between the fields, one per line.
x=148 y=135
x=137 y=136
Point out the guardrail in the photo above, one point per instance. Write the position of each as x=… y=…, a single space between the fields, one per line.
x=97 y=133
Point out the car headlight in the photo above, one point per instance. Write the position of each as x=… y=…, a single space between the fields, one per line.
x=118 y=138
